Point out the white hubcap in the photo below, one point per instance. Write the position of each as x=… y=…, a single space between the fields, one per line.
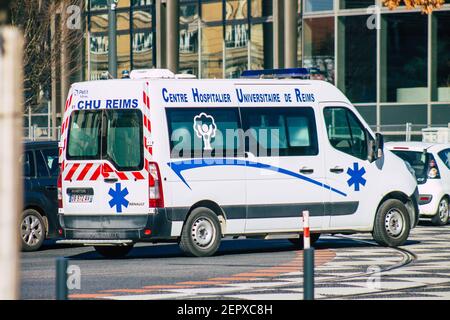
x=203 y=232
x=31 y=230
x=394 y=223
x=443 y=210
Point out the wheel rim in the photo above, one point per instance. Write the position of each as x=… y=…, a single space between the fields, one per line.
x=443 y=210
x=203 y=232
x=394 y=223
x=31 y=230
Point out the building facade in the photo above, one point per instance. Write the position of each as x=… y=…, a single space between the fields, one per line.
x=393 y=65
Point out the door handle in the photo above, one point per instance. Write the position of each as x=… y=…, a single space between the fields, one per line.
x=50 y=187
x=337 y=170
x=111 y=180
x=306 y=170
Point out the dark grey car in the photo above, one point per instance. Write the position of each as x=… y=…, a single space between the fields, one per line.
x=39 y=217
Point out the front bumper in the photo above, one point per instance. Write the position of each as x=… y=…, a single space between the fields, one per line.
x=117 y=227
x=414 y=203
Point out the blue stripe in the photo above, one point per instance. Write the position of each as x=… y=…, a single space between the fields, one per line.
x=180 y=166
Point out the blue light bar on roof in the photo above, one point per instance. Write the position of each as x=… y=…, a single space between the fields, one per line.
x=301 y=73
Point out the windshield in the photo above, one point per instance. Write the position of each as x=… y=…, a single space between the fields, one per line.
x=114 y=135
x=418 y=161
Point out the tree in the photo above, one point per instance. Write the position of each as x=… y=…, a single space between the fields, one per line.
x=427 y=5
x=48 y=42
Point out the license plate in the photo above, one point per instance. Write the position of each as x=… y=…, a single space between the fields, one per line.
x=80 y=198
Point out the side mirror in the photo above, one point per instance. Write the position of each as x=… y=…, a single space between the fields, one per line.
x=375 y=147
x=379 y=144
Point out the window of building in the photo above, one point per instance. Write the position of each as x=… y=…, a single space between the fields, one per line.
x=280 y=131
x=318 y=51
x=440 y=114
x=357 y=59
x=441 y=56
x=318 y=5
x=345 y=132
x=236 y=49
x=189 y=36
x=404 y=58
x=356 y=4
x=217 y=132
x=212 y=52
x=369 y=114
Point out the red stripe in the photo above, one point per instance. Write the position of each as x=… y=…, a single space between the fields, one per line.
x=306 y=233
x=138 y=175
x=146 y=165
x=121 y=175
x=72 y=171
x=84 y=171
x=96 y=173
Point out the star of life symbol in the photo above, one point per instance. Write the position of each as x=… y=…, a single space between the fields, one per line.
x=356 y=176
x=118 y=197
x=205 y=128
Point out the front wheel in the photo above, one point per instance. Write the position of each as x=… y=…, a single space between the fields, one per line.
x=392 y=224
x=442 y=216
x=113 y=252
x=201 y=233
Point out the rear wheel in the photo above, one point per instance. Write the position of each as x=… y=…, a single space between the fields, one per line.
x=298 y=242
x=113 y=251
x=392 y=224
x=201 y=233
x=442 y=216
x=32 y=230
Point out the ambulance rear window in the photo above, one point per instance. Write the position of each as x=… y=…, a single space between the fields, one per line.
x=84 y=135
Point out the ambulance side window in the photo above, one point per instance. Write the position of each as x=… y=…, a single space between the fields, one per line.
x=345 y=132
x=204 y=132
x=277 y=131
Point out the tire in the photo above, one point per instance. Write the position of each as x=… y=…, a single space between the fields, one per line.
x=32 y=230
x=113 y=252
x=442 y=215
x=298 y=242
x=392 y=224
x=201 y=234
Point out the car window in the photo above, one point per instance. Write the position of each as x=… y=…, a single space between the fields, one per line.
x=203 y=132
x=280 y=131
x=51 y=160
x=418 y=161
x=41 y=166
x=345 y=132
x=445 y=157
x=27 y=161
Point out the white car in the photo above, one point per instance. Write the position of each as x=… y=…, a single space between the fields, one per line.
x=431 y=164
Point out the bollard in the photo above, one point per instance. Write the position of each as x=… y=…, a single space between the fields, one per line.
x=61 y=279
x=308 y=260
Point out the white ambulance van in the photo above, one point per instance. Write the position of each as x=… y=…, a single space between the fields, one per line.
x=160 y=157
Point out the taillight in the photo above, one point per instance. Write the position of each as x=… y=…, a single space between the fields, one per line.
x=156 y=196
x=59 y=186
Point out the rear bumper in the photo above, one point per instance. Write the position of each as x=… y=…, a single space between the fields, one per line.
x=117 y=227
